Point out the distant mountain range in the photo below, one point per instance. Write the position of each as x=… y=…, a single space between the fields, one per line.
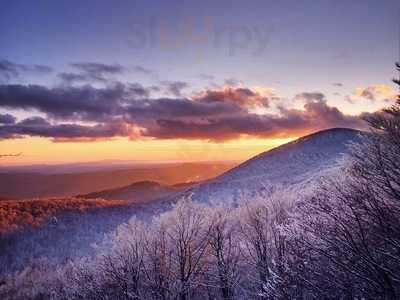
x=22 y=184
x=93 y=166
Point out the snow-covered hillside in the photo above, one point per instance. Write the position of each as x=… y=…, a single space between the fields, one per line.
x=294 y=168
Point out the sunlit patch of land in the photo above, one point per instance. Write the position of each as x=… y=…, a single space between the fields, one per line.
x=16 y=214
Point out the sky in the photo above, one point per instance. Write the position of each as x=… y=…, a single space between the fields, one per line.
x=187 y=80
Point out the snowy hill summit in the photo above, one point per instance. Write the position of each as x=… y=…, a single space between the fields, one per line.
x=293 y=168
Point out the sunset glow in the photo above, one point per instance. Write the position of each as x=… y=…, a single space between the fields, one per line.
x=40 y=150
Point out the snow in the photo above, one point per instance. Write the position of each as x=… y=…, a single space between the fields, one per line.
x=291 y=168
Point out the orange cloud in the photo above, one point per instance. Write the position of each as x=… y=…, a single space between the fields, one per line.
x=376 y=92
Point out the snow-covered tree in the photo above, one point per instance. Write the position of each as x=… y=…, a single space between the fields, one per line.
x=225 y=259
x=264 y=248
x=352 y=224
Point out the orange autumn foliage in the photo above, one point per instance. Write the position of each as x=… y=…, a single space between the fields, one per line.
x=15 y=214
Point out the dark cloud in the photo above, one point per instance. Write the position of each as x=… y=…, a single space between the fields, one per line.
x=10 y=70
x=290 y=123
x=310 y=96
x=91 y=72
x=244 y=97
x=7 y=119
x=85 y=103
x=327 y=116
x=150 y=110
x=98 y=71
x=136 y=90
x=71 y=78
x=174 y=88
x=88 y=72
x=338 y=84
x=40 y=127
x=126 y=110
x=34 y=121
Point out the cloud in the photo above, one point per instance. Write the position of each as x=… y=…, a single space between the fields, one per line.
x=241 y=96
x=40 y=127
x=10 y=70
x=375 y=93
x=174 y=88
x=314 y=96
x=71 y=78
x=126 y=110
x=88 y=72
x=85 y=103
x=338 y=84
x=7 y=119
x=98 y=71
x=166 y=108
x=315 y=116
x=232 y=82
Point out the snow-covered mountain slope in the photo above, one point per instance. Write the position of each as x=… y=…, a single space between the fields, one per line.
x=291 y=168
